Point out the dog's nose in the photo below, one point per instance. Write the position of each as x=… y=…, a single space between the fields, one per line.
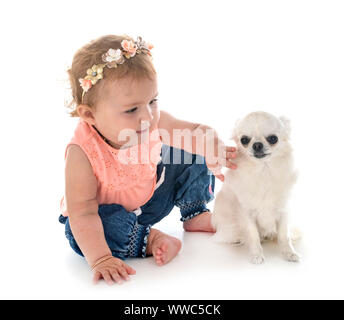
x=257 y=146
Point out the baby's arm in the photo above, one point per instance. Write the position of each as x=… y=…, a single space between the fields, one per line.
x=85 y=223
x=199 y=139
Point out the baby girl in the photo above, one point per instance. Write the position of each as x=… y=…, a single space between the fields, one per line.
x=127 y=165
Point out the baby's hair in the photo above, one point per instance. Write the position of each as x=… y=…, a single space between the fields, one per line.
x=138 y=67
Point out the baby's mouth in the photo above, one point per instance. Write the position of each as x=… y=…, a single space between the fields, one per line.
x=142 y=131
x=144 y=127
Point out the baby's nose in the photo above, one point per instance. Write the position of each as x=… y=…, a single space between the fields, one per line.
x=147 y=115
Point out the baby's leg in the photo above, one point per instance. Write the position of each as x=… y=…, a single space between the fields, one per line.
x=124 y=235
x=138 y=240
x=195 y=186
x=187 y=184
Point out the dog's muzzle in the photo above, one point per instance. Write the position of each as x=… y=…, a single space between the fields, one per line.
x=258 y=150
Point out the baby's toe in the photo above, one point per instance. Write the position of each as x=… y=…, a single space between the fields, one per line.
x=164 y=248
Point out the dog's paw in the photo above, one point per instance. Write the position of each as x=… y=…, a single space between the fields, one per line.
x=291 y=256
x=257 y=259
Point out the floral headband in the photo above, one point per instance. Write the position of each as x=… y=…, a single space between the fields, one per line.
x=112 y=58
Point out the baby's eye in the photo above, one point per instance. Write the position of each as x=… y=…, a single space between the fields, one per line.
x=131 y=110
x=272 y=139
x=153 y=101
x=245 y=140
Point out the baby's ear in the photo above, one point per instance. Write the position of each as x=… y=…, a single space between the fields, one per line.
x=286 y=125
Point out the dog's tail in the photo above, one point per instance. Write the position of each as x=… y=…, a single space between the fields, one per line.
x=295 y=234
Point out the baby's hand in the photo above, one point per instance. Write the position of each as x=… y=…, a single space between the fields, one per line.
x=222 y=157
x=112 y=270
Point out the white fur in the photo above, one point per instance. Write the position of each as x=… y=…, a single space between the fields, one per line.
x=251 y=206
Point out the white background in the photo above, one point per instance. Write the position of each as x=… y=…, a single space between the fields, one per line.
x=216 y=61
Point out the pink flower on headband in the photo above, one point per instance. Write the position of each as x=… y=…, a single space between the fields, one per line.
x=85 y=84
x=129 y=46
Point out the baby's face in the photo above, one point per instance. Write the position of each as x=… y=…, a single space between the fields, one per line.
x=127 y=110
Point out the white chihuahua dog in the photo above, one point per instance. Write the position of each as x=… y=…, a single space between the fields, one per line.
x=251 y=205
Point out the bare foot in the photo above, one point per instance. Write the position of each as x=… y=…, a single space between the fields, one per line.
x=201 y=222
x=162 y=246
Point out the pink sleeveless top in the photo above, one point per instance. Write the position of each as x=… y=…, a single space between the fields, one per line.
x=125 y=176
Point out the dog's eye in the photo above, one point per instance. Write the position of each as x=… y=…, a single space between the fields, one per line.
x=272 y=139
x=245 y=140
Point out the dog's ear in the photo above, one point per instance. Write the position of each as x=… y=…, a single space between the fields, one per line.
x=286 y=125
x=234 y=133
